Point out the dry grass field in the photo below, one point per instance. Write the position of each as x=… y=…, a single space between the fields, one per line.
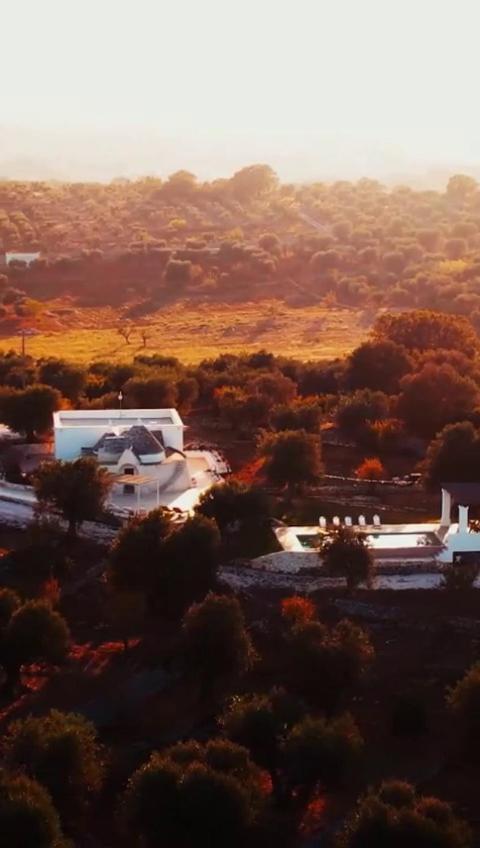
x=192 y=332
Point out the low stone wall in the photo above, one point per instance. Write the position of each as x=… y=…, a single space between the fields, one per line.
x=399 y=554
x=302 y=562
x=15 y=487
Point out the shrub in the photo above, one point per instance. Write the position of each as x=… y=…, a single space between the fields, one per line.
x=193 y=795
x=322 y=752
x=345 y=553
x=460 y=577
x=61 y=751
x=396 y=816
x=216 y=642
x=297 y=610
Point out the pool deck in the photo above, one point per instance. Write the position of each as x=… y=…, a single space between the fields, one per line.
x=287 y=537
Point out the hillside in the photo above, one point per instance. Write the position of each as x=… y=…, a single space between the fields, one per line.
x=179 y=257
x=190 y=331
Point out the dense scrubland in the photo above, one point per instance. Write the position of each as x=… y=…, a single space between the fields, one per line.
x=416 y=374
x=144 y=245
x=242 y=717
x=143 y=700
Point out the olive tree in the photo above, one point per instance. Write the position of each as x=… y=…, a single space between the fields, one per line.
x=217 y=645
x=395 y=815
x=78 y=489
x=28 y=818
x=60 y=751
x=345 y=553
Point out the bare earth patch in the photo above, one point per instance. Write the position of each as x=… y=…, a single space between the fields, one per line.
x=191 y=331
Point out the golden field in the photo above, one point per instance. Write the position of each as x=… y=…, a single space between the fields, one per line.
x=191 y=332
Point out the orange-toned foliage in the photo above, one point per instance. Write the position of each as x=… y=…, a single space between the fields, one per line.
x=314 y=816
x=298 y=610
x=370 y=469
x=51 y=591
x=250 y=471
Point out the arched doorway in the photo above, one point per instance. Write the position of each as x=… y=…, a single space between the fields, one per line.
x=127 y=489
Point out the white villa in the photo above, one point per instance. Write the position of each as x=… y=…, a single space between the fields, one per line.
x=76 y=429
x=142 y=448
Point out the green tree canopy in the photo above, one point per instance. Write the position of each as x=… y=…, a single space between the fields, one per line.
x=137 y=550
x=434 y=397
x=28 y=818
x=172 y=565
x=378 y=365
x=355 y=411
x=463 y=699
x=453 y=456
x=293 y=458
x=345 y=553
x=422 y=329
x=217 y=645
x=60 y=751
x=253 y=181
x=193 y=796
x=34 y=633
x=150 y=393
x=77 y=489
x=318 y=751
x=68 y=379
x=9 y=603
x=460 y=186
x=395 y=816
x=190 y=559
x=301 y=414
x=29 y=411
x=231 y=502
x=261 y=722
x=322 y=664
x=181 y=184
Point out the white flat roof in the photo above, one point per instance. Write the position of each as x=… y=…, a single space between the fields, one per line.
x=21 y=257
x=150 y=418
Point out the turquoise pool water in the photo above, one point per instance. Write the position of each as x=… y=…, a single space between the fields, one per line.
x=311 y=541
x=402 y=540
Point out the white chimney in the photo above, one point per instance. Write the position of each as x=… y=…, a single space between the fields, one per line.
x=463 y=519
x=446 y=508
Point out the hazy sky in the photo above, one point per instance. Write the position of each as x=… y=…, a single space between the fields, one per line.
x=273 y=77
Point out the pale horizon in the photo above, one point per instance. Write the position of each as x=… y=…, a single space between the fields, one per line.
x=317 y=89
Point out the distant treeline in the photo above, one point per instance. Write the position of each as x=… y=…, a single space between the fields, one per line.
x=246 y=237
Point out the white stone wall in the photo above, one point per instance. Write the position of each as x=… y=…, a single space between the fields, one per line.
x=69 y=440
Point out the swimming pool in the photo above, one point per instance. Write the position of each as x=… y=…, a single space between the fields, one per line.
x=402 y=540
x=378 y=541
x=310 y=541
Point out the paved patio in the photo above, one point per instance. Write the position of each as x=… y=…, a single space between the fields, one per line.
x=204 y=472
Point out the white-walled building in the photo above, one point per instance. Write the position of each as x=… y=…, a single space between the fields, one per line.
x=461 y=541
x=76 y=430
x=141 y=448
x=27 y=258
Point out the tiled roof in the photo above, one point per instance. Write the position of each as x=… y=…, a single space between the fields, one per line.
x=142 y=441
x=137 y=438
